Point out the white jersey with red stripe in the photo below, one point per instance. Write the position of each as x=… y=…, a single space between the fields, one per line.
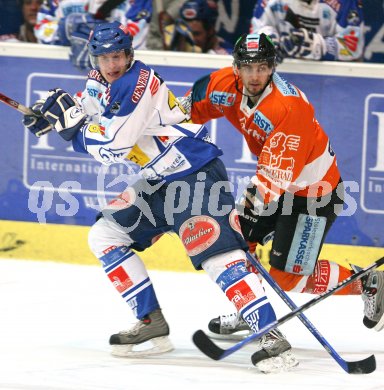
x=138 y=118
x=294 y=152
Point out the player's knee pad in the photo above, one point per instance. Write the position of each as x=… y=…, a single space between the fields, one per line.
x=104 y=236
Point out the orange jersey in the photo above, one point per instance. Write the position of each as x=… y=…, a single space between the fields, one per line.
x=294 y=152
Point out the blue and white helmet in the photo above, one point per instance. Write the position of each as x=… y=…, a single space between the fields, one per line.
x=108 y=38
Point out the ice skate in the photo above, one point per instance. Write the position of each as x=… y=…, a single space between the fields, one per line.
x=229 y=327
x=373 y=297
x=275 y=354
x=147 y=337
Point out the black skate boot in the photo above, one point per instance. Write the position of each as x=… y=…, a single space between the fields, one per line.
x=229 y=327
x=275 y=354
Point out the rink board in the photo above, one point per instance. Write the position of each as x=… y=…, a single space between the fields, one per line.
x=68 y=244
x=349 y=103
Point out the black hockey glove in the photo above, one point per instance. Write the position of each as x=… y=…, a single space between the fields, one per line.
x=36 y=123
x=249 y=207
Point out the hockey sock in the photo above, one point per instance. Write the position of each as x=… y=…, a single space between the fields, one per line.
x=129 y=276
x=326 y=275
x=241 y=287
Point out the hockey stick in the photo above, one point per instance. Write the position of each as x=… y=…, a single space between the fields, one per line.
x=365 y=366
x=209 y=348
x=16 y=105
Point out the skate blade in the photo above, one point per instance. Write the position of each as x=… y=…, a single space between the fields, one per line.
x=380 y=325
x=238 y=336
x=284 y=362
x=156 y=346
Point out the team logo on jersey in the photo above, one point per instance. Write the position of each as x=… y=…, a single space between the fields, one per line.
x=272 y=164
x=198 y=234
x=222 y=98
x=263 y=122
x=115 y=108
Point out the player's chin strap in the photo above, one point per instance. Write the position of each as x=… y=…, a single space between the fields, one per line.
x=257 y=94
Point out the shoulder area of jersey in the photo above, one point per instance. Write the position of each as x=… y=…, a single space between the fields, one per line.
x=223 y=77
x=285 y=88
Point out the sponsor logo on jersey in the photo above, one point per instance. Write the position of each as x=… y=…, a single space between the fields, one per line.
x=140 y=85
x=96 y=75
x=284 y=87
x=305 y=244
x=120 y=279
x=96 y=129
x=263 y=122
x=198 y=234
x=222 y=98
x=322 y=275
x=240 y=294
x=109 y=249
x=232 y=263
x=252 y=320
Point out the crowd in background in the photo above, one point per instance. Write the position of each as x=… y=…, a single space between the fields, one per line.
x=303 y=29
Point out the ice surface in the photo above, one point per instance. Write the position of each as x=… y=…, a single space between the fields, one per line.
x=56 y=320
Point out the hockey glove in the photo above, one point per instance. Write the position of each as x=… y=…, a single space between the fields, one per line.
x=35 y=122
x=302 y=43
x=63 y=113
x=280 y=53
x=249 y=207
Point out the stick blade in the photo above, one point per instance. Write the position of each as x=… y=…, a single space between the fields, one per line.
x=207 y=346
x=365 y=366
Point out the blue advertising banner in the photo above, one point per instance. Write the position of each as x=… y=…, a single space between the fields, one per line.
x=45 y=180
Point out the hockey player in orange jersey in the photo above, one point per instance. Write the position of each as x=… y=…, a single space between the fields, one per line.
x=297 y=190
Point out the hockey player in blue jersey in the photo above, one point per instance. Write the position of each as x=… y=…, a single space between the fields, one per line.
x=132 y=118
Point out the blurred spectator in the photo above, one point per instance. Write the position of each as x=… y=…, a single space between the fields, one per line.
x=56 y=22
x=195 y=30
x=234 y=18
x=312 y=29
x=374 y=30
x=164 y=13
x=10 y=19
x=29 y=9
x=69 y=22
